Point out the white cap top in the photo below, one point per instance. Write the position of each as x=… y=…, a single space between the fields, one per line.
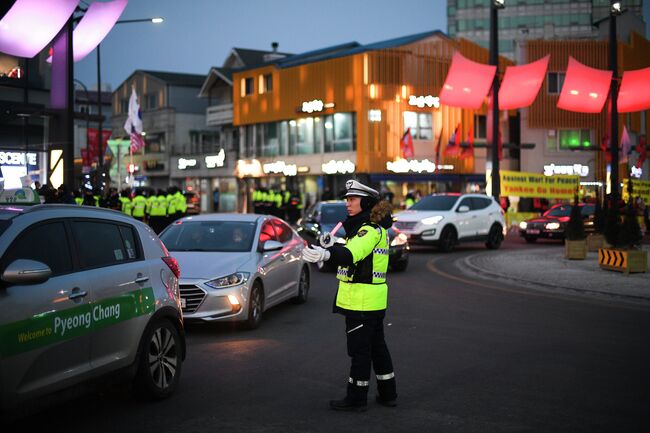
x=355 y=188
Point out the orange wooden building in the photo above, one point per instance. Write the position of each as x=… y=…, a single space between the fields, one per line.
x=315 y=119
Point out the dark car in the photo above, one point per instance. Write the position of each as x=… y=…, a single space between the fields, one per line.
x=552 y=223
x=323 y=216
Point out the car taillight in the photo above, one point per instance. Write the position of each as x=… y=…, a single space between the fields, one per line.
x=173 y=265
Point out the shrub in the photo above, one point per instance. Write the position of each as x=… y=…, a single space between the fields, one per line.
x=612 y=225
x=575 y=229
x=629 y=235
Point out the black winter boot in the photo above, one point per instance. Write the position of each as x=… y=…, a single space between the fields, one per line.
x=356 y=399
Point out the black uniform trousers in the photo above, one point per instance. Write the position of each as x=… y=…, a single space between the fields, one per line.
x=367 y=347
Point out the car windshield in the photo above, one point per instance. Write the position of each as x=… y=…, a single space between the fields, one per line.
x=210 y=236
x=3 y=225
x=333 y=213
x=559 y=211
x=588 y=210
x=435 y=202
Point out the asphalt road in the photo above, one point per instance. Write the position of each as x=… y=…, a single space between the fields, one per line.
x=469 y=357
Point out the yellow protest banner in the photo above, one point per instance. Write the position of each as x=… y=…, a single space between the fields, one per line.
x=640 y=188
x=521 y=184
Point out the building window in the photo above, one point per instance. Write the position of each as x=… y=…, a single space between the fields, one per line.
x=155 y=142
x=574 y=139
x=555 y=82
x=420 y=123
x=151 y=101
x=268 y=83
x=340 y=132
x=247 y=86
x=568 y=139
x=124 y=103
x=271 y=144
x=301 y=137
x=480 y=127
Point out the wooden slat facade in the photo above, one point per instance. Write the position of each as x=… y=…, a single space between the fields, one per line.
x=381 y=79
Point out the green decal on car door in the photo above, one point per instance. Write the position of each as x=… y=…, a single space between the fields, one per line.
x=51 y=327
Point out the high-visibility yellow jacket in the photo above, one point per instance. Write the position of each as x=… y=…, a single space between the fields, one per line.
x=362 y=286
x=139 y=206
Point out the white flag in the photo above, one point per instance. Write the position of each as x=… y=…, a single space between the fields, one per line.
x=134 y=121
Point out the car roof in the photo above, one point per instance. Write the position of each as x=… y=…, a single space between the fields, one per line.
x=63 y=210
x=225 y=217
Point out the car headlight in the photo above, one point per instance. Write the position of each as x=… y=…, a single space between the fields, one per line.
x=432 y=220
x=229 y=281
x=400 y=239
x=552 y=226
x=523 y=225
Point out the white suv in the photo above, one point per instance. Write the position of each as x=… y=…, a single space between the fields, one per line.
x=448 y=219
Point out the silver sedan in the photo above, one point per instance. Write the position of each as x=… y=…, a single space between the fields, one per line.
x=236 y=266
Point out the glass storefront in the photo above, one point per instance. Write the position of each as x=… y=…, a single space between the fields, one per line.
x=304 y=136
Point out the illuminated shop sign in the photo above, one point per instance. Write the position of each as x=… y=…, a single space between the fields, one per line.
x=218 y=160
x=338 y=167
x=249 y=168
x=374 y=115
x=636 y=172
x=416 y=166
x=281 y=167
x=185 y=163
x=315 y=106
x=17 y=158
x=421 y=101
x=579 y=169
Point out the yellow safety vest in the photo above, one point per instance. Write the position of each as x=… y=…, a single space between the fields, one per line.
x=362 y=286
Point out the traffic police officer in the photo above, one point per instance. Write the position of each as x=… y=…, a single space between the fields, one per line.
x=362 y=295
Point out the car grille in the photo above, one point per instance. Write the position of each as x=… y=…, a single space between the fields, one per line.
x=405 y=225
x=538 y=226
x=193 y=296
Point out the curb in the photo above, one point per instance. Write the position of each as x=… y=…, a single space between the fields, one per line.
x=546 y=287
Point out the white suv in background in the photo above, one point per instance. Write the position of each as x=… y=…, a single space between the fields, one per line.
x=445 y=220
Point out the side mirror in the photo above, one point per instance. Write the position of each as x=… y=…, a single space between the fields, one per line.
x=463 y=209
x=271 y=246
x=24 y=271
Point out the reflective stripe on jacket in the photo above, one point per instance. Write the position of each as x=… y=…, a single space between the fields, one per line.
x=362 y=286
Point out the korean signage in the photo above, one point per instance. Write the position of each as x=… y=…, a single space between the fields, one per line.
x=214 y=161
x=520 y=184
x=640 y=188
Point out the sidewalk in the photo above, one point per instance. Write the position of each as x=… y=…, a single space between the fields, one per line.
x=548 y=270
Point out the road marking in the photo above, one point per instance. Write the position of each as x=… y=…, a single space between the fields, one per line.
x=531 y=292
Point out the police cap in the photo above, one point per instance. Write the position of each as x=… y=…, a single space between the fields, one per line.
x=355 y=188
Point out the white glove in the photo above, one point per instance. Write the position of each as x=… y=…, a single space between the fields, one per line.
x=315 y=254
x=326 y=240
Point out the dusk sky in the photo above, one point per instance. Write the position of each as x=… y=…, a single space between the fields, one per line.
x=198 y=34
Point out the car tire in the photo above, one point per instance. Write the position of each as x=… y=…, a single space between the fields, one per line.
x=448 y=239
x=303 y=287
x=255 y=306
x=160 y=361
x=401 y=265
x=495 y=237
x=530 y=239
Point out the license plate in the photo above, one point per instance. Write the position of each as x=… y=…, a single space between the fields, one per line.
x=183 y=303
x=532 y=232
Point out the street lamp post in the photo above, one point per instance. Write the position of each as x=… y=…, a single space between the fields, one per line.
x=495 y=5
x=614 y=11
x=100 y=152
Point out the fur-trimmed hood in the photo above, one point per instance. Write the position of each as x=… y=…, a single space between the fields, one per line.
x=380 y=214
